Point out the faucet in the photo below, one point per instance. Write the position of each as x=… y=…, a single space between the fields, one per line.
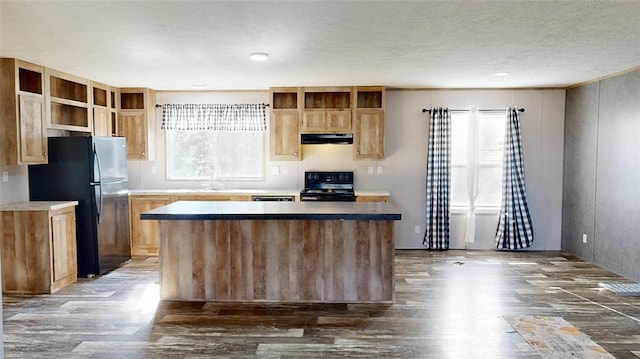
x=214 y=182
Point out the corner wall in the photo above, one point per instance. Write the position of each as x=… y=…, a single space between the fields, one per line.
x=602 y=172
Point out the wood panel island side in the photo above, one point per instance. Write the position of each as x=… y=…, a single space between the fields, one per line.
x=334 y=252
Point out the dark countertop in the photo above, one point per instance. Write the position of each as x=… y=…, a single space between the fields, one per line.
x=204 y=210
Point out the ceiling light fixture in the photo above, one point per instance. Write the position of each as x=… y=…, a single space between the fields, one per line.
x=259 y=56
x=501 y=74
x=197 y=87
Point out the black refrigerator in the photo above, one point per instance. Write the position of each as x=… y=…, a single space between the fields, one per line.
x=93 y=171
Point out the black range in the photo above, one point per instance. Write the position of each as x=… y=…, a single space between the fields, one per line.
x=328 y=186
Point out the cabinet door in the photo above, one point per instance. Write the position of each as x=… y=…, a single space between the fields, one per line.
x=338 y=121
x=33 y=129
x=145 y=234
x=101 y=121
x=371 y=198
x=133 y=126
x=63 y=237
x=313 y=121
x=369 y=134
x=285 y=138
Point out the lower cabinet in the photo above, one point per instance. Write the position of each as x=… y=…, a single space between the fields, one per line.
x=38 y=250
x=144 y=234
x=372 y=198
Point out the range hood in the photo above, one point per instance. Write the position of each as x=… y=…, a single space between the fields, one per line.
x=322 y=138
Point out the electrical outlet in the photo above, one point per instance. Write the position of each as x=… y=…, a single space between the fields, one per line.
x=285 y=170
x=370 y=170
x=275 y=170
x=417 y=229
x=584 y=238
x=5 y=176
x=379 y=170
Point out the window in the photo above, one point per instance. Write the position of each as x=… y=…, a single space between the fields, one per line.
x=476 y=159
x=198 y=155
x=207 y=141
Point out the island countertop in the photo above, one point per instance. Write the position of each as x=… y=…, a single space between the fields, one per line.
x=205 y=210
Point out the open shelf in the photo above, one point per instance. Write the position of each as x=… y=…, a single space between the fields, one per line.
x=99 y=97
x=65 y=116
x=113 y=99
x=132 y=101
x=66 y=89
x=30 y=81
x=285 y=101
x=369 y=99
x=327 y=100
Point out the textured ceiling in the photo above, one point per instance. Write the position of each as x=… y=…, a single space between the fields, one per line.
x=170 y=45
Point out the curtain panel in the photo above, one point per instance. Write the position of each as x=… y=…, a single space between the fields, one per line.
x=515 y=230
x=214 y=117
x=438 y=180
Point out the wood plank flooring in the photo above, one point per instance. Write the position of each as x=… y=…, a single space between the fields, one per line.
x=448 y=305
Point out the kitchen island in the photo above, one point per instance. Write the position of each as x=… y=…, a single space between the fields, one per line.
x=276 y=251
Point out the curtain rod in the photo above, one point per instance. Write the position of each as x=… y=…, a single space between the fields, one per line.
x=265 y=104
x=487 y=110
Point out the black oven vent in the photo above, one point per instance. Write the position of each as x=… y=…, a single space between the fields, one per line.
x=324 y=138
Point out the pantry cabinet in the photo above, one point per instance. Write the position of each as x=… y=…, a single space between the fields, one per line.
x=38 y=246
x=23 y=122
x=136 y=122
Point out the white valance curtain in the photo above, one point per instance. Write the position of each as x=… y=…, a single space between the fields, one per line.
x=214 y=117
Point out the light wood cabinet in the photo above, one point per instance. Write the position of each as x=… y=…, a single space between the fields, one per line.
x=23 y=122
x=136 y=122
x=144 y=234
x=102 y=124
x=285 y=125
x=68 y=102
x=326 y=110
x=320 y=121
x=369 y=123
x=372 y=198
x=38 y=250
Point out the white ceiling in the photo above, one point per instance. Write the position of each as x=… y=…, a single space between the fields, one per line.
x=170 y=45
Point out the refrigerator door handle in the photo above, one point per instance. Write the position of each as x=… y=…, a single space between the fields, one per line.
x=98 y=184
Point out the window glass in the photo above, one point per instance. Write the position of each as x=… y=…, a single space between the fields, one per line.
x=491 y=127
x=196 y=155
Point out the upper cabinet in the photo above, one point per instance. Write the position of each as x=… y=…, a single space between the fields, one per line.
x=357 y=110
x=326 y=110
x=285 y=124
x=23 y=121
x=369 y=122
x=68 y=102
x=136 y=122
x=102 y=124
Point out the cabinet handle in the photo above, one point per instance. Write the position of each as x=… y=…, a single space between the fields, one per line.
x=357 y=152
x=295 y=154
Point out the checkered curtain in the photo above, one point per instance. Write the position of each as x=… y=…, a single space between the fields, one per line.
x=214 y=117
x=514 y=227
x=436 y=235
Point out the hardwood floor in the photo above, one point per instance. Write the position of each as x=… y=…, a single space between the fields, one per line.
x=448 y=305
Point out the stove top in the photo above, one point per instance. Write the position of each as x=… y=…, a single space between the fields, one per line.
x=328 y=186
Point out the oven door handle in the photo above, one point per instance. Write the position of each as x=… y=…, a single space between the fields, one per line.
x=310 y=198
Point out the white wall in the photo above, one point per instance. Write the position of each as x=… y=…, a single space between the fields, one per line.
x=404 y=168
x=542 y=136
